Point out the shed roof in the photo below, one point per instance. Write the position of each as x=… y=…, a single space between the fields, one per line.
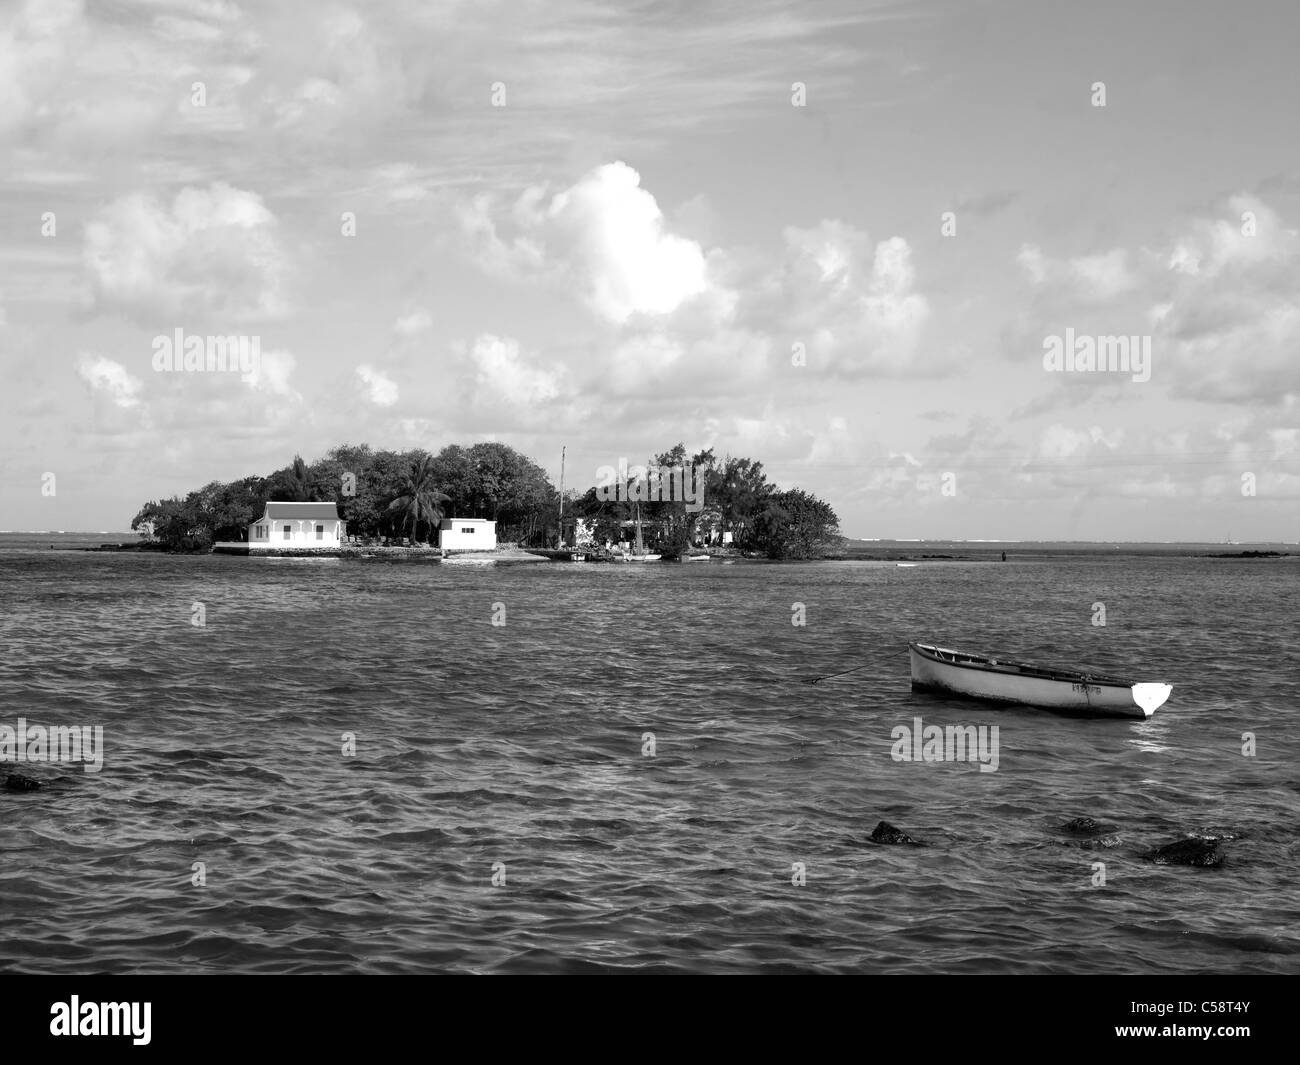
x=302 y=510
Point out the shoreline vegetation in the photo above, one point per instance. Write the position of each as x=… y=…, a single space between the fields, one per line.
x=394 y=501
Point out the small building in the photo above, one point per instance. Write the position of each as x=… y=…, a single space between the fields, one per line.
x=467 y=534
x=297 y=526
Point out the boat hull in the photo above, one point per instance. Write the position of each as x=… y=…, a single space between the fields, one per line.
x=941 y=669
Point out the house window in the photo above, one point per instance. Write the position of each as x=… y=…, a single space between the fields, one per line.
x=320 y=532
x=467 y=530
x=286 y=532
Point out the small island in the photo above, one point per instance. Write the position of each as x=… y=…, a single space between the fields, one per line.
x=490 y=500
x=1251 y=554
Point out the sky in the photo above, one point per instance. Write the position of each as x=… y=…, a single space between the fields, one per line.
x=841 y=238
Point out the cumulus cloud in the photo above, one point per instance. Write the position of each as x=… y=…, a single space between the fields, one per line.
x=1223 y=306
x=380 y=390
x=1062 y=442
x=605 y=234
x=854 y=302
x=627 y=263
x=213 y=249
x=105 y=376
x=1095 y=277
x=502 y=374
x=1251 y=235
x=1217 y=297
x=271 y=374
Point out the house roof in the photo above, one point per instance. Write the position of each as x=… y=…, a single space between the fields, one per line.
x=446 y=522
x=302 y=510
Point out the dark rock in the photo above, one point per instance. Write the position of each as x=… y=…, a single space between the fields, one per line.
x=18 y=782
x=1090 y=834
x=1200 y=852
x=887 y=833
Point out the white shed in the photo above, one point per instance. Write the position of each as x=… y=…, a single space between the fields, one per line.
x=297 y=526
x=467 y=534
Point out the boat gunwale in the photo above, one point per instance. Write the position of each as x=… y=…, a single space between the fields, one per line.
x=985 y=664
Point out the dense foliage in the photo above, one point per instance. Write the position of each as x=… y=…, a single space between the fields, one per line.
x=737 y=499
x=379 y=494
x=406 y=494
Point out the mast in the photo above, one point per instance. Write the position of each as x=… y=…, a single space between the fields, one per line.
x=640 y=545
x=562 y=451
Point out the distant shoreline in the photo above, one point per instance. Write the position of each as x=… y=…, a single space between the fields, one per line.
x=858 y=551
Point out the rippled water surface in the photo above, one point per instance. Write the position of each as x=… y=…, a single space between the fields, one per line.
x=522 y=744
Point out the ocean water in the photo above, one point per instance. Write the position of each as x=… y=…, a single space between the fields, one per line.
x=516 y=752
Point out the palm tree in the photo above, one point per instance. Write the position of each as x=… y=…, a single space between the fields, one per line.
x=417 y=499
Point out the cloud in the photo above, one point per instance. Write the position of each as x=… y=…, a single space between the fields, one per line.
x=1252 y=236
x=214 y=250
x=605 y=234
x=501 y=374
x=705 y=322
x=1217 y=296
x=104 y=375
x=1224 y=310
x=1061 y=442
x=519 y=257
x=272 y=373
x=851 y=302
x=411 y=324
x=380 y=390
x=1092 y=277
x=625 y=260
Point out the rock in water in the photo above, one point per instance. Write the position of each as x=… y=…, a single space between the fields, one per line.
x=1188 y=852
x=18 y=782
x=1089 y=833
x=887 y=833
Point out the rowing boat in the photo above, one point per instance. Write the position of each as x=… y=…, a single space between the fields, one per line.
x=1000 y=680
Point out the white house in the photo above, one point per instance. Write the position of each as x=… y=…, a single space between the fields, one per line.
x=297 y=526
x=467 y=534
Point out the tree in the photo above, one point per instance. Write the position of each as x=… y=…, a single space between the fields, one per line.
x=174 y=524
x=377 y=484
x=795 y=525
x=291 y=484
x=417 y=500
x=510 y=489
x=742 y=490
x=455 y=474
